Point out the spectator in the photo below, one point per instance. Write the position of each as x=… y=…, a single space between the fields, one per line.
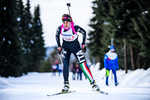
x=79 y=72
x=73 y=71
x=111 y=63
x=54 y=68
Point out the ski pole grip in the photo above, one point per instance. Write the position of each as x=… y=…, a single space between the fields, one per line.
x=68 y=4
x=83 y=46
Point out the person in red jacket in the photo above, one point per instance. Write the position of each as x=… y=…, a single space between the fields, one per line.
x=68 y=32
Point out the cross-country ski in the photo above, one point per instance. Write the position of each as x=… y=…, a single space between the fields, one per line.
x=59 y=93
x=68 y=92
x=102 y=92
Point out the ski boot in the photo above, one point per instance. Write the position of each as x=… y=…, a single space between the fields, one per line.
x=66 y=87
x=107 y=84
x=116 y=84
x=95 y=86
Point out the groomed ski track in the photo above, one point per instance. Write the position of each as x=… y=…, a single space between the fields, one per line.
x=35 y=86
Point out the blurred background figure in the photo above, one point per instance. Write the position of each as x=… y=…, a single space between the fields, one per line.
x=79 y=72
x=54 y=68
x=60 y=69
x=73 y=69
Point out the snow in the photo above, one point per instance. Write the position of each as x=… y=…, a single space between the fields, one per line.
x=135 y=85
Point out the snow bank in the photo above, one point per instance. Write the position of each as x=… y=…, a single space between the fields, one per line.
x=139 y=77
x=35 y=86
x=4 y=83
x=95 y=68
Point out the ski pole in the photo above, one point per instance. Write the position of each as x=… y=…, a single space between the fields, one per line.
x=60 y=58
x=69 y=5
x=103 y=77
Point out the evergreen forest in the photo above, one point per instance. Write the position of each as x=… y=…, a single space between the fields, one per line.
x=127 y=22
x=21 y=41
x=121 y=23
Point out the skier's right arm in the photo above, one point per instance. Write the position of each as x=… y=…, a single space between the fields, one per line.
x=58 y=39
x=58 y=36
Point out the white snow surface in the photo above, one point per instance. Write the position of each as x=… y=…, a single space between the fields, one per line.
x=135 y=85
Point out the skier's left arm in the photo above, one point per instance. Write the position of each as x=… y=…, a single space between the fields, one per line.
x=83 y=32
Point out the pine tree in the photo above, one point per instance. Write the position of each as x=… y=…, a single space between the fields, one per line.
x=27 y=39
x=129 y=11
x=10 y=49
x=38 y=50
x=21 y=29
x=127 y=22
x=46 y=65
x=97 y=45
x=141 y=26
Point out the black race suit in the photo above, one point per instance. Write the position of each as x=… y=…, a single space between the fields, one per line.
x=71 y=45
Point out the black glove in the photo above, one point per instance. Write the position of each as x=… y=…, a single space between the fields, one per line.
x=59 y=50
x=84 y=48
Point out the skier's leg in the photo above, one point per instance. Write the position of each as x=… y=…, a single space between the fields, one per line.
x=107 y=76
x=78 y=53
x=87 y=71
x=81 y=59
x=88 y=74
x=115 y=76
x=66 y=57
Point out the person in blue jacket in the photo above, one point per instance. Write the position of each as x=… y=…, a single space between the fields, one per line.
x=111 y=63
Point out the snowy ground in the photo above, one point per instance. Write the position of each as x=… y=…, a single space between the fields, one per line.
x=132 y=86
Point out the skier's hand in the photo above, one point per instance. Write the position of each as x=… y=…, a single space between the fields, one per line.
x=84 y=48
x=59 y=50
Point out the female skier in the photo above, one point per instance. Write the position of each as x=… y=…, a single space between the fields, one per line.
x=70 y=44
